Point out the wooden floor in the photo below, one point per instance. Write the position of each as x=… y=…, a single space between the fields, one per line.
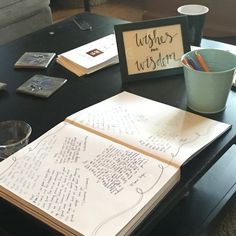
x=131 y=10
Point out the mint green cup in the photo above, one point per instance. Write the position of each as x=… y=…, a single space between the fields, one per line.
x=207 y=92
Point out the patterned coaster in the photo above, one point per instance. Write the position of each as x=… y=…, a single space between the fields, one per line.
x=41 y=85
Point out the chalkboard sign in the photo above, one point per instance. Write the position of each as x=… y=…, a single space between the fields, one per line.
x=151 y=49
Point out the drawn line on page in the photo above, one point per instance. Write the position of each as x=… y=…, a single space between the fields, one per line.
x=198 y=135
x=32 y=149
x=14 y=159
x=140 y=192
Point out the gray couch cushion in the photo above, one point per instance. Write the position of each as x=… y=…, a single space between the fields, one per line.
x=5 y=3
x=39 y=20
x=16 y=10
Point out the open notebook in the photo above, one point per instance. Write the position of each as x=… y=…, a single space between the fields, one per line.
x=104 y=168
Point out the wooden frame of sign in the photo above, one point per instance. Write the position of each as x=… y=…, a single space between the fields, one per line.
x=152 y=49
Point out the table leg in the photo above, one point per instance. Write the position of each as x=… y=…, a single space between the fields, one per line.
x=86 y=5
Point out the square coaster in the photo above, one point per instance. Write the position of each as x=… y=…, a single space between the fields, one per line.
x=41 y=85
x=35 y=60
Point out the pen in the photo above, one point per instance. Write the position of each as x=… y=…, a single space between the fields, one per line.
x=186 y=63
x=202 y=62
x=193 y=63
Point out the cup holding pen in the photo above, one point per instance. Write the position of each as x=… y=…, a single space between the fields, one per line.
x=208 y=84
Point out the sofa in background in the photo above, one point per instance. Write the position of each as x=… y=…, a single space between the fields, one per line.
x=220 y=20
x=21 y=17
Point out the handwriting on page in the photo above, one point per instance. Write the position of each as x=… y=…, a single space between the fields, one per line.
x=61 y=192
x=70 y=150
x=70 y=173
x=29 y=166
x=58 y=189
x=114 y=167
x=118 y=121
x=164 y=134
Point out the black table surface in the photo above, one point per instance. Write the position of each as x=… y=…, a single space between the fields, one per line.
x=79 y=93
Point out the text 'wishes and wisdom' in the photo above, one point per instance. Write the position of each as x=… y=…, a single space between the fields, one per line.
x=156 y=57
